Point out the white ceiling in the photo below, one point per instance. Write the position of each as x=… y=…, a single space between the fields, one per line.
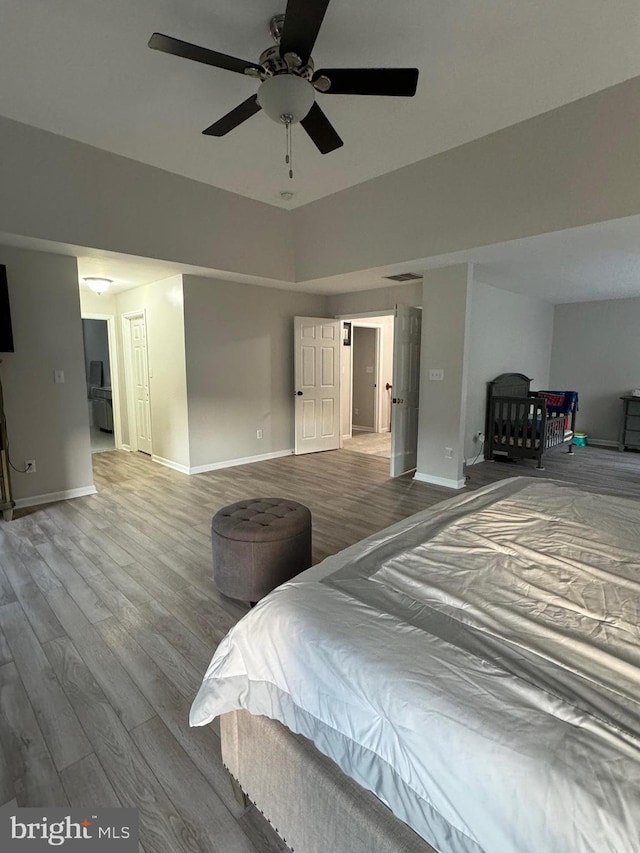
x=81 y=68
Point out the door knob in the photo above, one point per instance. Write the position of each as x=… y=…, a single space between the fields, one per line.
x=299 y=393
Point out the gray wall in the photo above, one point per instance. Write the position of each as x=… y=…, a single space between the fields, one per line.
x=508 y=333
x=445 y=326
x=537 y=176
x=57 y=189
x=363 y=341
x=561 y=169
x=45 y=421
x=380 y=299
x=596 y=351
x=239 y=357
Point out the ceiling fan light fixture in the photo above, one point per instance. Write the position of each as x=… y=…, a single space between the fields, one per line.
x=286 y=97
x=98 y=285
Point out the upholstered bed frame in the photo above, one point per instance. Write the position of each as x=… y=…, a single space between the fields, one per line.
x=308 y=800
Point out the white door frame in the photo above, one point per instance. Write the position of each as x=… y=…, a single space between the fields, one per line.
x=115 y=374
x=129 y=374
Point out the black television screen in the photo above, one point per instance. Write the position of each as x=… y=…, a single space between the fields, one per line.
x=6 y=333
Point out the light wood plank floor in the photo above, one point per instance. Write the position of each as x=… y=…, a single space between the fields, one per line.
x=108 y=619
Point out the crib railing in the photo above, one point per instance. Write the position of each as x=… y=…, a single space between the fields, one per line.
x=554 y=433
x=516 y=425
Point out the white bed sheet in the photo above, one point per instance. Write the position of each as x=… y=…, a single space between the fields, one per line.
x=477 y=667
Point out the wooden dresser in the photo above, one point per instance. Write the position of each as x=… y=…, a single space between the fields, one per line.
x=630 y=425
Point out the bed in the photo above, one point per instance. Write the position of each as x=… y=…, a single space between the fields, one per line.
x=476 y=667
x=525 y=424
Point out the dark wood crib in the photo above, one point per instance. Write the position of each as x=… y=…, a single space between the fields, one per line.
x=524 y=424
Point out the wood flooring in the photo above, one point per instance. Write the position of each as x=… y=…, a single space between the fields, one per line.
x=374 y=443
x=109 y=617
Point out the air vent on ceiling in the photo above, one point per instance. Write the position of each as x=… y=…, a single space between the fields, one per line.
x=403 y=276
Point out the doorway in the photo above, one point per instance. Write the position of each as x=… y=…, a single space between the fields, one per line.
x=367 y=379
x=364 y=378
x=398 y=384
x=101 y=369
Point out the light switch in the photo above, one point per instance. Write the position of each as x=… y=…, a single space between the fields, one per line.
x=436 y=375
x=58 y=377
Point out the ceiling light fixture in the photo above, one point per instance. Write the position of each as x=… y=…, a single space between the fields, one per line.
x=98 y=285
x=286 y=98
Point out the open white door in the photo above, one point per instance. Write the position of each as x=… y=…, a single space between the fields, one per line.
x=406 y=389
x=317 y=383
x=140 y=365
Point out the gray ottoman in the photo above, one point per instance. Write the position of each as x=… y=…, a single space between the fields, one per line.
x=258 y=544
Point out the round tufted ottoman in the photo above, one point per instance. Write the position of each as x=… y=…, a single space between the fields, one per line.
x=258 y=544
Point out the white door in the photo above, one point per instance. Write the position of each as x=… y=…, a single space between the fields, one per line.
x=406 y=389
x=140 y=365
x=317 y=383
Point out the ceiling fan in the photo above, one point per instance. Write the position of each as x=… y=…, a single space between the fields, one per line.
x=289 y=79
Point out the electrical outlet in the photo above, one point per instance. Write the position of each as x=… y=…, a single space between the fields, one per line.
x=30 y=466
x=258 y=433
x=448 y=453
x=356 y=411
x=480 y=436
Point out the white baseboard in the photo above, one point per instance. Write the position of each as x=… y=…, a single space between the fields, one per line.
x=602 y=442
x=361 y=428
x=246 y=460
x=168 y=463
x=475 y=460
x=52 y=497
x=439 y=481
x=126 y=447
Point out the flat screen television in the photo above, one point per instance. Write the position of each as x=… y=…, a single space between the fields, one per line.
x=6 y=332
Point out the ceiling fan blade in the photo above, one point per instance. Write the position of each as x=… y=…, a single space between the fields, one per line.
x=321 y=130
x=167 y=44
x=369 y=81
x=302 y=22
x=241 y=113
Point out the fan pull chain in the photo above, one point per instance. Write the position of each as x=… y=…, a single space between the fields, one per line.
x=289 y=150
